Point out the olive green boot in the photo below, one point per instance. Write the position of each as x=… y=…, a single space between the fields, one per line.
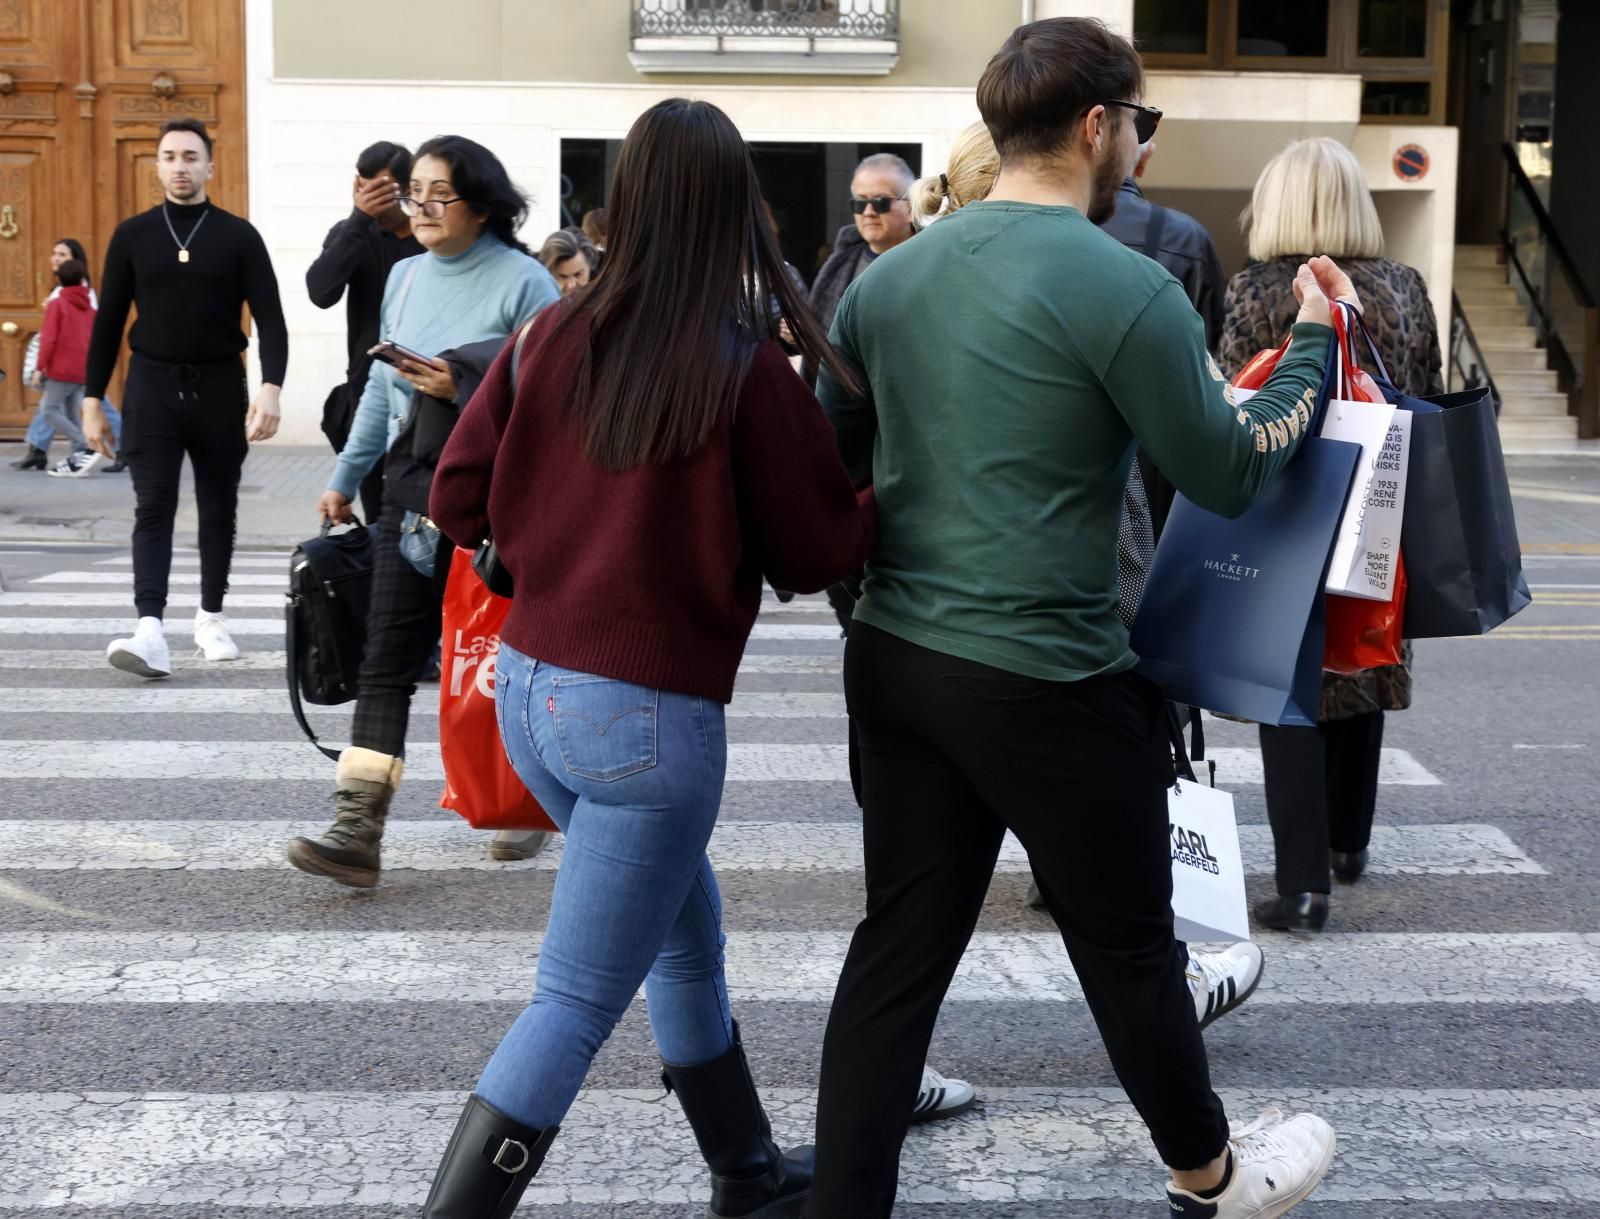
x=348 y=852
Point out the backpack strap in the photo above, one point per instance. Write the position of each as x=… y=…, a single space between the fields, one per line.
x=516 y=353
x=294 y=684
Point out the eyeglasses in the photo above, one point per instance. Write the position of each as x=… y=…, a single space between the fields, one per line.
x=433 y=209
x=1145 y=119
x=878 y=203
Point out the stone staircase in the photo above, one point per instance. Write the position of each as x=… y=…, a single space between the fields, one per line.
x=1532 y=409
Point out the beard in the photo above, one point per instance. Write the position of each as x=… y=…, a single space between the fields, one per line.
x=1107 y=182
x=184 y=191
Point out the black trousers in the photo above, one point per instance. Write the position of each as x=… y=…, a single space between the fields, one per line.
x=954 y=753
x=1322 y=792
x=403 y=622
x=171 y=410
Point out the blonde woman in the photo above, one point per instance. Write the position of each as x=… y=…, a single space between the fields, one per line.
x=1322 y=783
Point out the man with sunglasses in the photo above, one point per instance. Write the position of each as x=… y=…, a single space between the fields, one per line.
x=882 y=220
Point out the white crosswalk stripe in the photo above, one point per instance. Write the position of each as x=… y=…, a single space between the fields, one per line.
x=771 y=966
x=140 y=907
x=290 y=759
x=439 y=845
x=355 y=1150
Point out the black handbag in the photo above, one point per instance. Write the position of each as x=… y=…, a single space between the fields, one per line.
x=325 y=621
x=485 y=559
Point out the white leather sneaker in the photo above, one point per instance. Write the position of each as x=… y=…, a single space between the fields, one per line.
x=212 y=638
x=144 y=653
x=1220 y=981
x=939 y=1098
x=1276 y=1166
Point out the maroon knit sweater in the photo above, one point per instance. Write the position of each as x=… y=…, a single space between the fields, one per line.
x=653 y=574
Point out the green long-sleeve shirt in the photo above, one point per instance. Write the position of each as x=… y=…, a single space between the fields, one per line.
x=1013 y=353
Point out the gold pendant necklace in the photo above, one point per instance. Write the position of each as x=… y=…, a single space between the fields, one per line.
x=183 y=255
x=183 y=246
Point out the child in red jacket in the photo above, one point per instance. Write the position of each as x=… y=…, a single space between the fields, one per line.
x=63 y=353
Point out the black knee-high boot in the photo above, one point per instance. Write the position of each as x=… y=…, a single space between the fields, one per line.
x=750 y=1177
x=489 y=1162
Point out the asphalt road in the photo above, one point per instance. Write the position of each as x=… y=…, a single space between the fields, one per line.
x=190 y=1030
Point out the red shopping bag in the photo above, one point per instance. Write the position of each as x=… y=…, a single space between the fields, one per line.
x=1362 y=634
x=479 y=783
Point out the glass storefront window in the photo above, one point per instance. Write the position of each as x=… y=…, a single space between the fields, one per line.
x=1272 y=29
x=1392 y=29
x=1405 y=98
x=1172 y=27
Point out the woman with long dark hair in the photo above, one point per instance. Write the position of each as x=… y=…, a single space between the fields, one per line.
x=476 y=282
x=656 y=458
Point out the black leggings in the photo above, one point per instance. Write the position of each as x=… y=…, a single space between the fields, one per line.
x=403 y=618
x=1322 y=792
x=170 y=410
x=953 y=753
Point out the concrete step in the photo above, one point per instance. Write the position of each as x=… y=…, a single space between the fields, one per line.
x=1529 y=406
x=1507 y=358
x=1522 y=381
x=1499 y=297
x=1495 y=317
x=1479 y=256
x=1521 y=430
x=1504 y=336
x=1467 y=278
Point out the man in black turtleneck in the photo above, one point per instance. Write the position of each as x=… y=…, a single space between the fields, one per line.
x=190 y=267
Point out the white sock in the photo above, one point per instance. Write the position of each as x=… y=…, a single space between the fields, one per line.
x=151 y=626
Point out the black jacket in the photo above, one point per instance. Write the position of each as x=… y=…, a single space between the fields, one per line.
x=1179 y=243
x=356 y=258
x=409 y=464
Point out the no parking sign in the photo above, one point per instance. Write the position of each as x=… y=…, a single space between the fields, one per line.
x=1411 y=163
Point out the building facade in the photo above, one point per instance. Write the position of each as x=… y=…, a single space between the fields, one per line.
x=814 y=84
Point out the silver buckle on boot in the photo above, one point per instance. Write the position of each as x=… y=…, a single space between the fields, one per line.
x=498 y=1161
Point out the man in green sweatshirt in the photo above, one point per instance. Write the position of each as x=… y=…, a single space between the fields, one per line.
x=1014 y=354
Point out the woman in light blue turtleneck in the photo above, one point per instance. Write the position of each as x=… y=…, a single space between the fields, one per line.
x=476 y=282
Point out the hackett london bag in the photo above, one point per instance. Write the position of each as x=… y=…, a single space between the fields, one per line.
x=1232 y=618
x=479 y=783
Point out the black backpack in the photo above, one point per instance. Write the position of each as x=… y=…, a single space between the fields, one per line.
x=325 y=621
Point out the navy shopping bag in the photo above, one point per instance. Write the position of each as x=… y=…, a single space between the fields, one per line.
x=1232 y=618
x=1463 y=556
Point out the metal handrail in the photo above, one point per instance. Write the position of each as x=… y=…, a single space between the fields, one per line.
x=1547 y=227
x=1475 y=375
x=1578 y=370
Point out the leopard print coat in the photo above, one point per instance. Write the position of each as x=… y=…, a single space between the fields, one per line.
x=1258 y=311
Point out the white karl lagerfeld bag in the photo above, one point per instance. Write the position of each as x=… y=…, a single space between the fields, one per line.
x=1207 y=871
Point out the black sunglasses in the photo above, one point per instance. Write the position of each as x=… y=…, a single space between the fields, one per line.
x=1145 y=119
x=879 y=203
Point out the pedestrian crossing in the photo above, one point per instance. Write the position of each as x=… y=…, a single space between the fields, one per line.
x=138 y=908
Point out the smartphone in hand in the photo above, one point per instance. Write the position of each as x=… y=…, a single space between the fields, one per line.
x=394 y=354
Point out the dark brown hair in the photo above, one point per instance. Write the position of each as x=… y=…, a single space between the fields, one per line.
x=1049 y=74
x=682 y=300
x=72 y=273
x=192 y=126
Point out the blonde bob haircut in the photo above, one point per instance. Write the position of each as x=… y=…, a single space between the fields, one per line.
x=1312 y=198
x=974 y=165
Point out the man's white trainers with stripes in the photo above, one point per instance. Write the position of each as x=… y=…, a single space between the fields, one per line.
x=1220 y=981
x=212 y=638
x=941 y=1098
x=144 y=653
x=1276 y=1166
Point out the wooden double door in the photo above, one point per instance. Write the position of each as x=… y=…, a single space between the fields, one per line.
x=84 y=88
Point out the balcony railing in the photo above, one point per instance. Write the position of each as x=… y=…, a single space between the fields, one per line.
x=853 y=37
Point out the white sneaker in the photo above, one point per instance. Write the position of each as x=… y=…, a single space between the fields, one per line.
x=1220 y=981
x=212 y=638
x=145 y=653
x=75 y=465
x=1276 y=1166
x=940 y=1098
